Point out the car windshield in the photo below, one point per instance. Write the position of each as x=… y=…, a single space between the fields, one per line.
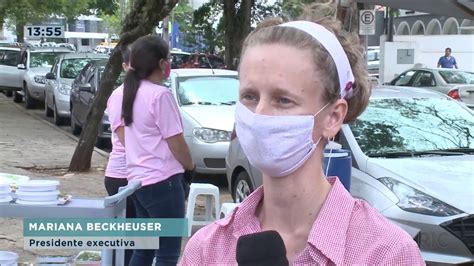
x=413 y=125
x=457 y=77
x=43 y=59
x=70 y=68
x=119 y=80
x=209 y=90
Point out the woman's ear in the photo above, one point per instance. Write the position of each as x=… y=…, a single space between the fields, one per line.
x=162 y=64
x=335 y=119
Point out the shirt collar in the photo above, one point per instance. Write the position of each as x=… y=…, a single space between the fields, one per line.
x=329 y=231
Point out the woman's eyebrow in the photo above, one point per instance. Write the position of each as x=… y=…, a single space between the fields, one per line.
x=281 y=91
x=248 y=90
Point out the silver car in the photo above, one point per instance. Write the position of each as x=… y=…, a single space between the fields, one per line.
x=206 y=100
x=36 y=62
x=10 y=75
x=457 y=84
x=58 y=86
x=413 y=160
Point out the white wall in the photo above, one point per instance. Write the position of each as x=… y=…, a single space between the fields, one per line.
x=428 y=49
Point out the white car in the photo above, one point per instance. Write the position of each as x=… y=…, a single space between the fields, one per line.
x=10 y=75
x=58 y=86
x=35 y=63
x=412 y=160
x=206 y=100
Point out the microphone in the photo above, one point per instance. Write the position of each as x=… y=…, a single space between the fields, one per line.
x=264 y=248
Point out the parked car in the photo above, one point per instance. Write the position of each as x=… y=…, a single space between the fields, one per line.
x=206 y=100
x=36 y=62
x=10 y=75
x=83 y=91
x=457 y=84
x=373 y=61
x=58 y=87
x=413 y=154
x=202 y=60
x=178 y=58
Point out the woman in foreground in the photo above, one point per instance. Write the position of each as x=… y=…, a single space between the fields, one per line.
x=299 y=82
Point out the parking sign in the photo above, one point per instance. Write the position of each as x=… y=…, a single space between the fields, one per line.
x=367 y=22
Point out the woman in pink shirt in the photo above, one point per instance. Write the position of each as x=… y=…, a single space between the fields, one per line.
x=153 y=137
x=116 y=172
x=299 y=82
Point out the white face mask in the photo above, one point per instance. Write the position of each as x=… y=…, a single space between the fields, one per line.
x=276 y=145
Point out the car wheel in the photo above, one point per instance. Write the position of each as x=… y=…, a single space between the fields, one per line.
x=47 y=111
x=30 y=103
x=58 y=121
x=75 y=129
x=18 y=98
x=242 y=187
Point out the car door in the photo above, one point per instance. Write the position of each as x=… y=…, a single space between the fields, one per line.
x=75 y=92
x=10 y=75
x=85 y=96
x=50 y=83
x=424 y=79
x=404 y=79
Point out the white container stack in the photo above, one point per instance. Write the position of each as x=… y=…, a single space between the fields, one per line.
x=38 y=192
x=5 y=192
x=8 y=258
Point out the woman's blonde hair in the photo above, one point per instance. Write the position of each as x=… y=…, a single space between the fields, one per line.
x=267 y=32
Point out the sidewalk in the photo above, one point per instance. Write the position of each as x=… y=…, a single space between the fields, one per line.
x=38 y=149
x=28 y=143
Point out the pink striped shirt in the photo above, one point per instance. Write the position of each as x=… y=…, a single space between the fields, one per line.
x=346 y=232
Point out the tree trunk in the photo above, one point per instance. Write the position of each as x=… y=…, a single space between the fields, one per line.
x=390 y=25
x=1 y=29
x=20 y=32
x=237 y=27
x=229 y=31
x=143 y=17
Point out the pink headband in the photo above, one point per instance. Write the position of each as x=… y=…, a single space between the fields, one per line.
x=332 y=45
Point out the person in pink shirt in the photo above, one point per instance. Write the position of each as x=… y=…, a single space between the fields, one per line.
x=116 y=172
x=156 y=151
x=315 y=80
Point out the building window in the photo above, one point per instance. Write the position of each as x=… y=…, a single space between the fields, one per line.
x=85 y=42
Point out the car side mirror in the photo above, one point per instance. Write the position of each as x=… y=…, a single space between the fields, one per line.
x=86 y=87
x=21 y=66
x=50 y=76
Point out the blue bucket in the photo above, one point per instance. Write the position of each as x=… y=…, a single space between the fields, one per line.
x=340 y=165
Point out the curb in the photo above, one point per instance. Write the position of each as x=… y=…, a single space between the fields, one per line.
x=42 y=120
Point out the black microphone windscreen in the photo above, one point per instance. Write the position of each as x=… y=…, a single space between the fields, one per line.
x=264 y=248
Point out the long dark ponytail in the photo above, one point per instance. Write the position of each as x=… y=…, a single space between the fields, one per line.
x=145 y=56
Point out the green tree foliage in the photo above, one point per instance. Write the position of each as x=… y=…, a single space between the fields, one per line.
x=22 y=12
x=105 y=7
x=207 y=22
x=294 y=8
x=112 y=22
x=226 y=23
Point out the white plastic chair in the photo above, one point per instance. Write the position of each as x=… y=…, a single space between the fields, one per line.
x=209 y=191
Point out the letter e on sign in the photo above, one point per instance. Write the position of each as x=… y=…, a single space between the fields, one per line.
x=367 y=22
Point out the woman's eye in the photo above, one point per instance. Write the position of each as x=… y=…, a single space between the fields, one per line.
x=248 y=97
x=284 y=100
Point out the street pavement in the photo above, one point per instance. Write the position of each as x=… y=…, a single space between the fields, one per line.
x=30 y=144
